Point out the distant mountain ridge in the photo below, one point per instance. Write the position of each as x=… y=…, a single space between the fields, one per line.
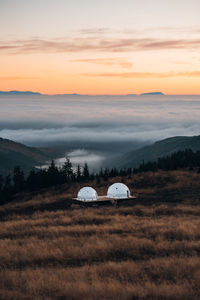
x=158 y=149
x=29 y=93
x=4 y=93
x=152 y=94
x=12 y=154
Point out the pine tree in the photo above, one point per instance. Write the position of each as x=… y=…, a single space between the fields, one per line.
x=78 y=173
x=67 y=170
x=1 y=183
x=32 y=180
x=52 y=174
x=7 y=184
x=105 y=174
x=101 y=173
x=7 y=190
x=86 y=173
x=18 y=179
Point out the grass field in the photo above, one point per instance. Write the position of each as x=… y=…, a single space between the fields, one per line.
x=146 y=249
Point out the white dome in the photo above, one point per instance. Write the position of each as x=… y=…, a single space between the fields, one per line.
x=87 y=193
x=118 y=190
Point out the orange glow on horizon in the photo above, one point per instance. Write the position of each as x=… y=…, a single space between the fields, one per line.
x=93 y=74
x=103 y=86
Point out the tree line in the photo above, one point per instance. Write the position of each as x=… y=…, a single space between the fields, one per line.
x=37 y=179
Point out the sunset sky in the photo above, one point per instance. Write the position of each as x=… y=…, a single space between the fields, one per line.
x=100 y=47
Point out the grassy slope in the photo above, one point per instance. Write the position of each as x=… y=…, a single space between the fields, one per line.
x=147 y=249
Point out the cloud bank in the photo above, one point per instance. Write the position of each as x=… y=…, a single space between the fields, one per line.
x=82 y=121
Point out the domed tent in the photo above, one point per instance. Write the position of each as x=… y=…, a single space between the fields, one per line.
x=118 y=190
x=87 y=193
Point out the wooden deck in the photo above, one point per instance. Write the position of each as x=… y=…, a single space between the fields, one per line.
x=102 y=200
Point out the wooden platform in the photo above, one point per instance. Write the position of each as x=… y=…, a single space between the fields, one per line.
x=102 y=200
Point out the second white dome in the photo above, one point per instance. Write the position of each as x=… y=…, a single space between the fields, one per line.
x=118 y=190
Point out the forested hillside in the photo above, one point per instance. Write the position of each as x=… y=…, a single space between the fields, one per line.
x=159 y=149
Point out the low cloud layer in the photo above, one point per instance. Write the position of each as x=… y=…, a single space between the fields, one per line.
x=87 y=120
x=80 y=157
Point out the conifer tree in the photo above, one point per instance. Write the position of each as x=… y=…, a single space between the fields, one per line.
x=7 y=189
x=78 y=173
x=52 y=174
x=67 y=170
x=32 y=180
x=18 y=179
x=86 y=173
x=1 y=183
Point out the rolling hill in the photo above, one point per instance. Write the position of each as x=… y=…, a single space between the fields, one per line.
x=12 y=154
x=159 y=149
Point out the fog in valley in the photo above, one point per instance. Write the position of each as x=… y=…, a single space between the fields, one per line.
x=94 y=128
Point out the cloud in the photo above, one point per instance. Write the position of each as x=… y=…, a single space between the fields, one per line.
x=122 y=62
x=190 y=74
x=96 y=31
x=117 y=135
x=95 y=44
x=169 y=44
x=183 y=30
x=126 y=75
x=17 y=78
x=117 y=121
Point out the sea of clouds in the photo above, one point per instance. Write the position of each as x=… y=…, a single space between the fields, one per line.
x=43 y=120
x=93 y=122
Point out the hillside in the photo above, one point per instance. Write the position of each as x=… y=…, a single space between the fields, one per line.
x=146 y=249
x=159 y=149
x=12 y=154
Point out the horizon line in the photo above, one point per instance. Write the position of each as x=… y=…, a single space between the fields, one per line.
x=80 y=94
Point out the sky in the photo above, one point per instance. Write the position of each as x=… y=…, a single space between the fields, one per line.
x=100 y=47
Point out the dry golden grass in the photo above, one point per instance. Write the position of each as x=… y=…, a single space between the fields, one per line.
x=150 y=250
